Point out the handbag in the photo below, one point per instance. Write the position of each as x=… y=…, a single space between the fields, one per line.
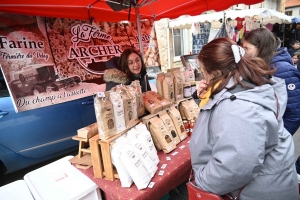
x=195 y=192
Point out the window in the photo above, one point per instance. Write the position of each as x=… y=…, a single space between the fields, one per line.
x=181 y=43
x=289 y=13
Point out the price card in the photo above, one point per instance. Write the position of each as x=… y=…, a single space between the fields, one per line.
x=168 y=158
x=188 y=141
x=161 y=172
x=173 y=154
x=151 y=184
x=181 y=147
x=163 y=166
x=100 y=94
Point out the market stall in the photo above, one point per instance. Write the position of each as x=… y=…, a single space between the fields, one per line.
x=236 y=22
x=263 y=15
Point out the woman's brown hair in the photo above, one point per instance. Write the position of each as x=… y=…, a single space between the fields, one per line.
x=217 y=59
x=123 y=63
x=265 y=42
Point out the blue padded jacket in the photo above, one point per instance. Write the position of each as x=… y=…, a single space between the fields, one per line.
x=282 y=61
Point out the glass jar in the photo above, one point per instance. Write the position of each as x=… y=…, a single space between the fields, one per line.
x=187 y=92
x=191 y=126
x=186 y=126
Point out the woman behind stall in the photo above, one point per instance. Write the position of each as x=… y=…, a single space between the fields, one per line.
x=258 y=43
x=239 y=139
x=130 y=67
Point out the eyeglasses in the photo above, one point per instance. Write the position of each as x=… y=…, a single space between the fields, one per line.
x=131 y=62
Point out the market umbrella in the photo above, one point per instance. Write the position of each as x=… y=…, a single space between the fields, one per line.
x=101 y=11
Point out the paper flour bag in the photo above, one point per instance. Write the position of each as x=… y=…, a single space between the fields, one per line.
x=135 y=167
x=125 y=178
x=176 y=118
x=160 y=131
x=144 y=155
x=117 y=102
x=144 y=136
x=104 y=115
x=163 y=115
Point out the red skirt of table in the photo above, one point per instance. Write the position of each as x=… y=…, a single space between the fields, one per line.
x=176 y=172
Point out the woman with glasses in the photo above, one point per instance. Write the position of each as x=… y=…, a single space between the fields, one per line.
x=130 y=68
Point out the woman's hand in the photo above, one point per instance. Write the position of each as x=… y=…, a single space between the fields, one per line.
x=201 y=90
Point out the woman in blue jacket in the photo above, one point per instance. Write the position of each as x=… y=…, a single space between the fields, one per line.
x=261 y=43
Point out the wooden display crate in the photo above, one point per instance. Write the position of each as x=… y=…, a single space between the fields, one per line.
x=100 y=154
x=109 y=171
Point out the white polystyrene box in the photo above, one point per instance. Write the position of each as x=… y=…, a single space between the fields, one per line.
x=15 y=191
x=61 y=180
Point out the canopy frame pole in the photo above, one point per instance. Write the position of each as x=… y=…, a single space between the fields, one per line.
x=138 y=24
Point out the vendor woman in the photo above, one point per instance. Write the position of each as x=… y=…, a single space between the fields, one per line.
x=130 y=67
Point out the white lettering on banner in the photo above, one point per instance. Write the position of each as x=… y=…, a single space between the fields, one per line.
x=145 y=38
x=84 y=32
x=18 y=56
x=86 y=54
x=93 y=51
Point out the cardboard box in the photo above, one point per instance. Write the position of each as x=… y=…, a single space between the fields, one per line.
x=60 y=180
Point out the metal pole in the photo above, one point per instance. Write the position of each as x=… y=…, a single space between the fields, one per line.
x=138 y=24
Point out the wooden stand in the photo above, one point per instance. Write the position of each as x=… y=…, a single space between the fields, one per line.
x=100 y=155
x=110 y=172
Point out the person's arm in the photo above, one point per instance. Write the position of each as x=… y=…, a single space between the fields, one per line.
x=241 y=136
x=291 y=117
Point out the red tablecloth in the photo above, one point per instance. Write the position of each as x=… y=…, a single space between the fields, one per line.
x=176 y=172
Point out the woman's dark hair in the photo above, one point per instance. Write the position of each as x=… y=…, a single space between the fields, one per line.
x=265 y=42
x=217 y=59
x=123 y=63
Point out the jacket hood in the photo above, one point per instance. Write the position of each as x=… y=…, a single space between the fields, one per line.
x=281 y=56
x=115 y=75
x=263 y=95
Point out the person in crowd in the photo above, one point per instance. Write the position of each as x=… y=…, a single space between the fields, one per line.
x=129 y=67
x=239 y=139
x=295 y=58
x=258 y=43
x=295 y=47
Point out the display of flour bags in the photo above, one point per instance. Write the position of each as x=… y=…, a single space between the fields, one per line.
x=139 y=98
x=189 y=74
x=104 y=115
x=123 y=173
x=188 y=109
x=168 y=88
x=144 y=155
x=159 y=83
x=145 y=137
x=176 y=118
x=118 y=108
x=135 y=166
x=157 y=98
x=178 y=79
x=151 y=105
x=163 y=115
x=130 y=109
x=161 y=136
